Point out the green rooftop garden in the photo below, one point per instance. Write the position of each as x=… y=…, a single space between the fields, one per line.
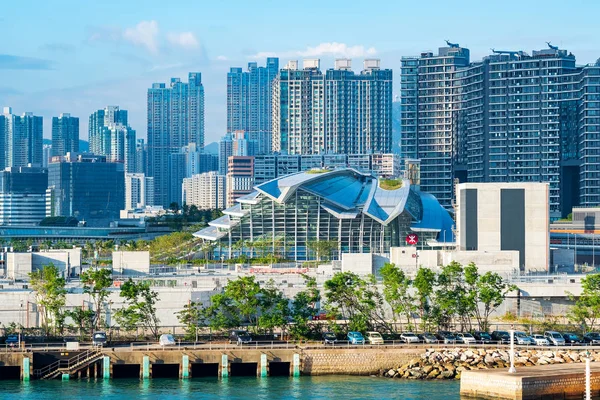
x=390 y=184
x=317 y=171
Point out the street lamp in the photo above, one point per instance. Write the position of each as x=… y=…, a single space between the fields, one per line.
x=512 y=368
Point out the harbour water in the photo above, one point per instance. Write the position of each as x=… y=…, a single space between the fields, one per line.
x=318 y=387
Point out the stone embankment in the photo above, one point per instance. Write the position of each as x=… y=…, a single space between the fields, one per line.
x=449 y=363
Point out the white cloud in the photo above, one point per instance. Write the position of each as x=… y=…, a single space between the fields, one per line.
x=334 y=49
x=144 y=34
x=187 y=40
x=222 y=58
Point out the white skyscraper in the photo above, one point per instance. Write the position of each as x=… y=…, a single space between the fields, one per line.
x=205 y=191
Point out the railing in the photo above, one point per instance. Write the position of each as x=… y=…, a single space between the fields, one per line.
x=66 y=364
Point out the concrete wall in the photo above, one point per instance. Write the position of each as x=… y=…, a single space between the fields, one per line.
x=355 y=361
x=361 y=264
x=18 y=265
x=498 y=261
x=131 y=262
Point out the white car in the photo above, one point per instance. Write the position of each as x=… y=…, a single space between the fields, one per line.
x=540 y=340
x=409 y=337
x=465 y=338
x=166 y=340
x=374 y=338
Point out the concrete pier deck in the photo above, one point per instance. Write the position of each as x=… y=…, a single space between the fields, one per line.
x=557 y=381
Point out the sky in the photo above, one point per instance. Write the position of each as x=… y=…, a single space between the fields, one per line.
x=77 y=56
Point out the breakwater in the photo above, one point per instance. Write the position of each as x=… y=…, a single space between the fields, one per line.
x=450 y=363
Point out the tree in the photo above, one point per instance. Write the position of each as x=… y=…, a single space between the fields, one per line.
x=396 y=291
x=50 y=290
x=322 y=248
x=192 y=316
x=450 y=296
x=586 y=310
x=357 y=300
x=304 y=308
x=490 y=292
x=83 y=319
x=274 y=308
x=424 y=284
x=96 y=283
x=140 y=309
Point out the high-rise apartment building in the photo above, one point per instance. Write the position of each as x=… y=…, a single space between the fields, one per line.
x=139 y=191
x=65 y=135
x=249 y=101
x=205 y=191
x=338 y=112
x=240 y=177
x=225 y=151
x=23 y=195
x=99 y=134
x=23 y=139
x=175 y=119
x=141 y=156
x=512 y=117
x=86 y=187
x=268 y=167
x=123 y=146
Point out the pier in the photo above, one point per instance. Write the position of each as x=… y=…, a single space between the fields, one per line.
x=558 y=381
x=189 y=362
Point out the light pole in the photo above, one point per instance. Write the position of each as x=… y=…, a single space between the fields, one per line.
x=512 y=368
x=588 y=373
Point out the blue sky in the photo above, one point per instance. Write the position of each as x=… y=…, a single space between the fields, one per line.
x=79 y=55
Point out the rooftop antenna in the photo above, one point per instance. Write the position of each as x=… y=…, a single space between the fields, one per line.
x=552 y=47
x=453 y=45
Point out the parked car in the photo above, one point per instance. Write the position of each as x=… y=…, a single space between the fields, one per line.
x=446 y=337
x=166 y=340
x=502 y=337
x=540 y=340
x=464 y=338
x=356 y=338
x=329 y=338
x=374 y=338
x=99 y=339
x=482 y=337
x=554 y=338
x=427 y=337
x=523 y=339
x=409 y=337
x=12 y=340
x=239 y=337
x=592 y=338
x=572 y=338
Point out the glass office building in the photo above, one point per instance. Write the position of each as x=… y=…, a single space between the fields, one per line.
x=343 y=205
x=86 y=187
x=23 y=195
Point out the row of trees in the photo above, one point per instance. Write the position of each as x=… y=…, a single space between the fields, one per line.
x=139 y=310
x=455 y=295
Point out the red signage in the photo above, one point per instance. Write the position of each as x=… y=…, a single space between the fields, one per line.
x=412 y=239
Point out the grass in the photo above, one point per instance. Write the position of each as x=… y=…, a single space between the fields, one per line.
x=317 y=171
x=390 y=184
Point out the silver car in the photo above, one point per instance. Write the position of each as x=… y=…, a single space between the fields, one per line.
x=555 y=338
x=521 y=338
